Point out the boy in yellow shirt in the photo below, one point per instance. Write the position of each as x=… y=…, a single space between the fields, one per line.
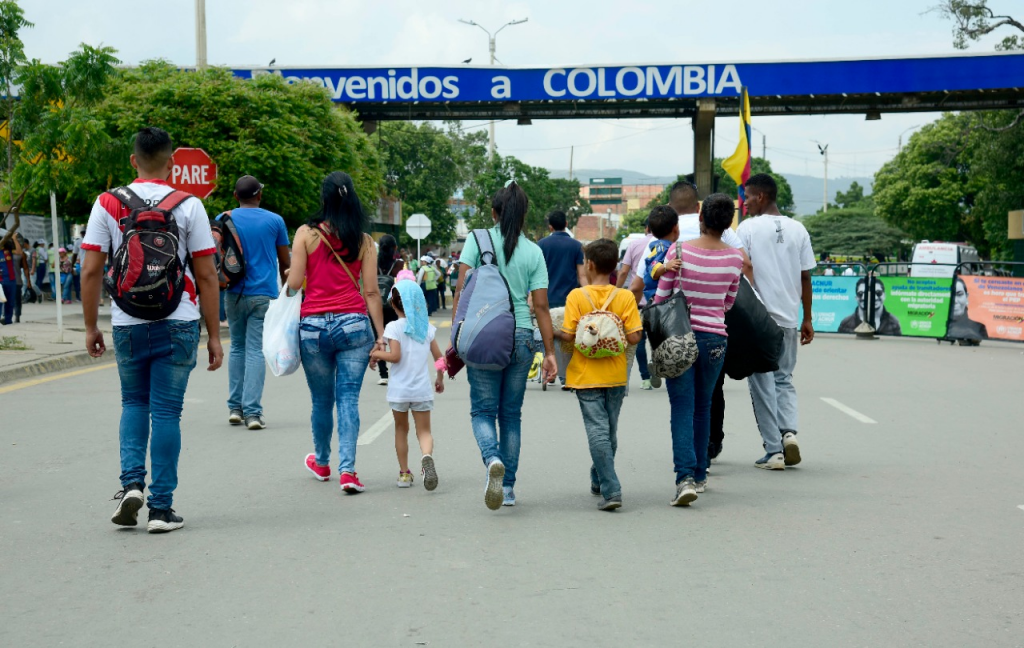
x=600 y=383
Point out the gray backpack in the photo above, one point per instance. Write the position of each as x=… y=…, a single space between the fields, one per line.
x=485 y=323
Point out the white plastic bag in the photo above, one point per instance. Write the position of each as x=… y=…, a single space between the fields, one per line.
x=281 y=333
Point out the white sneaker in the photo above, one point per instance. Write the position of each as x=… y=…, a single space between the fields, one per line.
x=790 y=448
x=771 y=461
x=686 y=492
x=382 y=381
x=493 y=494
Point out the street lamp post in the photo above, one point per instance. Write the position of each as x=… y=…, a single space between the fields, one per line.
x=904 y=133
x=824 y=152
x=200 y=34
x=490 y=42
x=764 y=143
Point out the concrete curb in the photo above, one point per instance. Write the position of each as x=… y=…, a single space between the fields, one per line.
x=73 y=360
x=50 y=365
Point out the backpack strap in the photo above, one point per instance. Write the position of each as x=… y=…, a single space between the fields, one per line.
x=128 y=198
x=173 y=199
x=608 y=302
x=486 y=247
x=324 y=241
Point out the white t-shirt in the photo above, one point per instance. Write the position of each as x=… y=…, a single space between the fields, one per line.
x=779 y=249
x=689 y=229
x=103 y=234
x=410 y=380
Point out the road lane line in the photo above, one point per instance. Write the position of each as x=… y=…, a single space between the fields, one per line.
x=39 y=381
x=849 y=411
x=375 y=430
x=1020 y=506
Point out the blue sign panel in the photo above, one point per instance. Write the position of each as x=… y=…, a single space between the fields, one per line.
x=633 y=82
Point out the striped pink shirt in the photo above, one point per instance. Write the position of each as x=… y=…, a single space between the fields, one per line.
x=709 y=278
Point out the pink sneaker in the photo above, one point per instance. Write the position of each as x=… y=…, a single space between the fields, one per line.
x=322 y=473
x=350 y=483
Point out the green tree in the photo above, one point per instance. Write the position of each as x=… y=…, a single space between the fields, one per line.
x=854 y=196
x=65 y=146
x=853 y=231
x=12 y=57
x=632 y=223
x=785 y=202
x=422 y=163
x=973 y=19
x=546 y=194
x=289 y=136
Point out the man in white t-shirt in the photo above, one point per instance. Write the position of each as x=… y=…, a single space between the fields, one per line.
x=154 y=357
x=780 y=250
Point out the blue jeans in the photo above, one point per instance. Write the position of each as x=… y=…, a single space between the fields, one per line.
x=66 y=285
x=496 y=399
x=335 y=349
x=153 y=362
x=10 y=289
x=641 y=357
x=689 y=398
x=600 y=408
x=246 y=368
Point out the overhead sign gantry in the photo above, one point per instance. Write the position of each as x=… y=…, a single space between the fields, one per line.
x=869 y=86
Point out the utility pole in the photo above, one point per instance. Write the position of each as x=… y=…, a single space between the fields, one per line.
x=764 y=144
x=572 y=149
x=491 y=47
x=824 y=152
x=200 y=34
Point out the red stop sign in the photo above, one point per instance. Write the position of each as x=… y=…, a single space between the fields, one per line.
x=194 y=172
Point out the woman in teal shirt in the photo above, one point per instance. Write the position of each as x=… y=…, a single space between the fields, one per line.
x=496 y=397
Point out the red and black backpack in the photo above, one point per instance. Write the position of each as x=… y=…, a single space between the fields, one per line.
x=146 y=277
x=230 y=260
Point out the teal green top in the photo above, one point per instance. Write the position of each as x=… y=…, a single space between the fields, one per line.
x=525 y=273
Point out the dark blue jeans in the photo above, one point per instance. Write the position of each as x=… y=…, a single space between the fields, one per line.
x=641 y=357
x=154 y=362
x=689 y=399
x=496 y=400
x=600 y=408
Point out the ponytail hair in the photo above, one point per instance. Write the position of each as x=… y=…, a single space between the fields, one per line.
x=341 y=209
x=510 y=204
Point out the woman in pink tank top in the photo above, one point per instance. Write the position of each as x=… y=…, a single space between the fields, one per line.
x=333 y=256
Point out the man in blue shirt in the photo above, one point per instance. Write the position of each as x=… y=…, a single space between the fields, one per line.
x=264 y=240
x=563 y=256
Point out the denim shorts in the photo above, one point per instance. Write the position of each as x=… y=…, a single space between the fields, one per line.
x=422 y=406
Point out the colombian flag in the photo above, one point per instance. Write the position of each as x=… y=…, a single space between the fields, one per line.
x=738 y=165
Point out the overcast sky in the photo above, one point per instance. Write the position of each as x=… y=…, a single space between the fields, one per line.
x=566 y=32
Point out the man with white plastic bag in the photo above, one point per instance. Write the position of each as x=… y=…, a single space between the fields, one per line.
x=281 y=333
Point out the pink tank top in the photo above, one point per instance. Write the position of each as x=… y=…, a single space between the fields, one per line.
x=329 y=289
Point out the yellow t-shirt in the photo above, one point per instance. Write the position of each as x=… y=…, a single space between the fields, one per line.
x=586 y=373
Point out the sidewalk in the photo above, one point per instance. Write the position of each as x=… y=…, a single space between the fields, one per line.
x=37 y=332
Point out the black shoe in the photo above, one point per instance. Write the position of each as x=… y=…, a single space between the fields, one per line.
x=235 y=417
x=714 y=449
x=127 y=511
x=595 y=489
x=164 y=521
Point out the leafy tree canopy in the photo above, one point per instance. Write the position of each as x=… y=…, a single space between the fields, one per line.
x=852 y=231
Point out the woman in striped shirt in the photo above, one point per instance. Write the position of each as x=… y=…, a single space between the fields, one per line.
x=708 y=272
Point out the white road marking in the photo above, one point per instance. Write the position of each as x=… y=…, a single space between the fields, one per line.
x=849 y=411
x=375 y=430
x=1021 y=507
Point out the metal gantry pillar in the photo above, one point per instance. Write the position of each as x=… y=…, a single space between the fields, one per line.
x=703 y=148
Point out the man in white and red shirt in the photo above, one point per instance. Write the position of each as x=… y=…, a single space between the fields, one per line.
x=154 y=358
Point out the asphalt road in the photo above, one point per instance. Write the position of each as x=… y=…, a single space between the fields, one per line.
x=907 y=531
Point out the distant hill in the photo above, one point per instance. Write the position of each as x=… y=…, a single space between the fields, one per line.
x=807 y=190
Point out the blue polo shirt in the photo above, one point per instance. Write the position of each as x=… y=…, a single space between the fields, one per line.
x=261 y=231
x=562 y=253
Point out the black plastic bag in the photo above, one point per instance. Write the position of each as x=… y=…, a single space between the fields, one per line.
x=755 y=340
